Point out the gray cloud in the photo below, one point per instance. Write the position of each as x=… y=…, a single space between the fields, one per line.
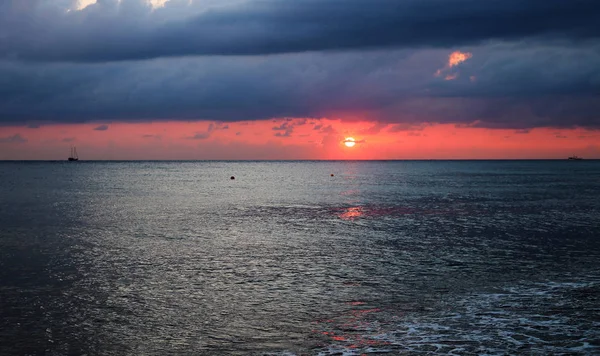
x=16 y=138
x=519 y=86
x=287 y=127
x=206 y=134
x=200 y=136
x=128 y=30
x=328 y=130
x=375 y=129
x=408 y=127
x=301 y=122
x=156 y=137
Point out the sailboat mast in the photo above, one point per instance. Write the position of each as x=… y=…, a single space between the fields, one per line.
x=73 y=156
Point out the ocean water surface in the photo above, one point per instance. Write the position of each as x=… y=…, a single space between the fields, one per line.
x=403 y=257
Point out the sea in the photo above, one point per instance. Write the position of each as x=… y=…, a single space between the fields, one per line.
x=300 y=258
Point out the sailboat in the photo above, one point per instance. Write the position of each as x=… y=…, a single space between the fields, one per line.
x=73 y=156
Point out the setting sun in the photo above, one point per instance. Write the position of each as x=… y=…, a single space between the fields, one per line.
x=349 y=142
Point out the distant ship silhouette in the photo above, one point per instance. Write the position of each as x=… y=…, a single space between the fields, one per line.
x=575 y=158
x=73 y=156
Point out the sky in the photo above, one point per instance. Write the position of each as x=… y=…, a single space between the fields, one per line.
x=293 y=79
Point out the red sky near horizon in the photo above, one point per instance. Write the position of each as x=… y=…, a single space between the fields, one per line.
x=332 y=84
x=290 y=139
x=295 y=138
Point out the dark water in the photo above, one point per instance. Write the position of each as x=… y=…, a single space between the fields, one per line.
x=174 y=258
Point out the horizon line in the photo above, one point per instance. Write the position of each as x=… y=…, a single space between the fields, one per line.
x=299 y=160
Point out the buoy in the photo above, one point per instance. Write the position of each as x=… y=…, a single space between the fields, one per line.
x=232 y=177
x=332 y=174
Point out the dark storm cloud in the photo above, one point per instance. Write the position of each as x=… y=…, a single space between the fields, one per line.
x=111 y=31
x=519 y=86
x=528 y=69
x=502 y=113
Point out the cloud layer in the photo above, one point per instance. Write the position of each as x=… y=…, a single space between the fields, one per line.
x=112 y=30
x=516 y=87
x=497 y=64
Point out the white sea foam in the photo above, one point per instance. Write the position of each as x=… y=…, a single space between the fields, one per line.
x=541 y=318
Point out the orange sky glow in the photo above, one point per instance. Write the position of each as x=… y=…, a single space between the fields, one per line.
x=291 y=139
x=439 y=91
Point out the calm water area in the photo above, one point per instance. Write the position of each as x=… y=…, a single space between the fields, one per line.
x=397 y=257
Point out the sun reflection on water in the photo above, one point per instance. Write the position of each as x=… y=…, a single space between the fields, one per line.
x=352 y=213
